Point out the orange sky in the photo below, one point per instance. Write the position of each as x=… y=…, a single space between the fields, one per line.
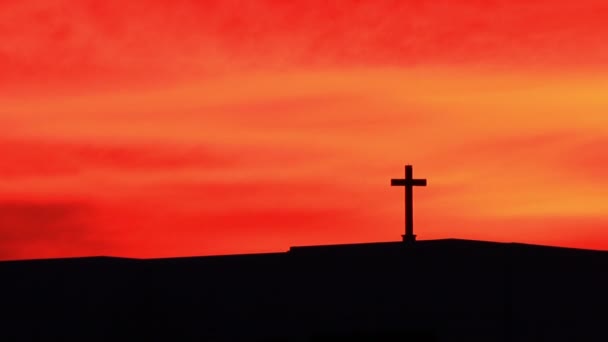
x=173 y=128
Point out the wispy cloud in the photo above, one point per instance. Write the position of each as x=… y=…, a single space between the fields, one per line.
x=42 y=158
x=30 y=229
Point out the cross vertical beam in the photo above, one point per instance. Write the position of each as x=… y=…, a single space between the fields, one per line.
x=409 y=206
x=409 y=182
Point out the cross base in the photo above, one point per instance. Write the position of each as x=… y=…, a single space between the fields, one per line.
x=409 y=238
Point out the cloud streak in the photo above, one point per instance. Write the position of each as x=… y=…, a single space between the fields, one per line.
x=33 y=229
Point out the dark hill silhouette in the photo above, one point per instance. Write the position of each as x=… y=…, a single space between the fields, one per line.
x=438 y=290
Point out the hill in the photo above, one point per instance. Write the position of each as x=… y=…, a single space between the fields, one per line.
x=437 y=290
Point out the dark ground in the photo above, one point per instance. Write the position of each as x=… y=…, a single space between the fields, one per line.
x=441 y=290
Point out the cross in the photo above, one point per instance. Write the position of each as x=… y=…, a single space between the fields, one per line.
x=409 y=183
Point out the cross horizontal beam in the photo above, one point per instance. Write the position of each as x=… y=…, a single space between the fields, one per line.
x=408 y=182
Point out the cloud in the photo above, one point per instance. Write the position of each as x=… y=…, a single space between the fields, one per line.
x=34 y=229
x=558 y=230
x=39 y=158
x=588 y=160
x=220 y=218
x=91 y=42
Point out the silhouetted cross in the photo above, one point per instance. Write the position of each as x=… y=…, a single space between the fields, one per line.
x=409 y=183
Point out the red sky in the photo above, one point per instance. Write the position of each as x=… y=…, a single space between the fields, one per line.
x=174 y=128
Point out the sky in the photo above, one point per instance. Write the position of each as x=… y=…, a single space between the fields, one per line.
x=178 y=128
